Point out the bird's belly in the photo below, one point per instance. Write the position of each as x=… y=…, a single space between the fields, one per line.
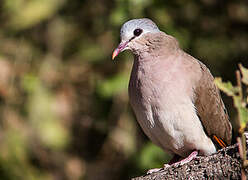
x=170 y=122
x=161 y=128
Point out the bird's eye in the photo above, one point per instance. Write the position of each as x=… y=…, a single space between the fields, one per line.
x=137 y=32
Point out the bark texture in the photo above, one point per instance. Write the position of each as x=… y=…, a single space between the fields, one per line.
x=225 y=164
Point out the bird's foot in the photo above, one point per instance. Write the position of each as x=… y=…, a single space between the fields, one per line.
x=187 y=159
x=158 y=169
x=150 y=171
x=179 y=163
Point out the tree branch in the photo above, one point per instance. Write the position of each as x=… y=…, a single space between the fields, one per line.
x=225 y=164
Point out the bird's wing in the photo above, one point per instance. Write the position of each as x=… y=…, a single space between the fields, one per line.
x=210 y=107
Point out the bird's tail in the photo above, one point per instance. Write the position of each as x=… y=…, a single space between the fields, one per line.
x=219 y=142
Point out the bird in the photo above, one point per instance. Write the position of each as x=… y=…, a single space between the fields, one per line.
x=172 y=94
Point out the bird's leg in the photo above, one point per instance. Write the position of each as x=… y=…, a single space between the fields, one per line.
x=175 y=161
x=187 y=159
x=172 y=161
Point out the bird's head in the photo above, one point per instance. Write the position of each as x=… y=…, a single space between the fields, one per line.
x=132 y=31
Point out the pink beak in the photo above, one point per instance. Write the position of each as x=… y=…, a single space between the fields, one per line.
x=119 y=49
x=115 y=53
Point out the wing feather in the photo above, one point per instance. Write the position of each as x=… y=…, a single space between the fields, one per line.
x=210 y=107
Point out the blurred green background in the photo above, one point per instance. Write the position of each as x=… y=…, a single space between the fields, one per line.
x=64 y=111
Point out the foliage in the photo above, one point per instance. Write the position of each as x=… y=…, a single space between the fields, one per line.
x=236 y=92
x=64 y=110
x=241 y=104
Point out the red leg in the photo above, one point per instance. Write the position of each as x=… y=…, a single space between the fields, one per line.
x=175 y=161
x=187 y=159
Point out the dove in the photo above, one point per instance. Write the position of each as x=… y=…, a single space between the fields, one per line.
x=173 y=94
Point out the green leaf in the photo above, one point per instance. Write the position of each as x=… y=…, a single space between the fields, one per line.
x=243 y=116
x=242 y=110
x=244 y=72
x=226 y=87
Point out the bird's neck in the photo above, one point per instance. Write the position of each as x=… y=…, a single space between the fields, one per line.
x=155 y=45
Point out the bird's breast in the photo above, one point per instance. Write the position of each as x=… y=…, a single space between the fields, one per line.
x=163 y=108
